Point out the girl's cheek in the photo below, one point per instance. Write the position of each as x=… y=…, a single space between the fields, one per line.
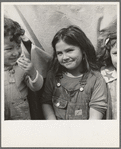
x=58 y=57
x=60 y=60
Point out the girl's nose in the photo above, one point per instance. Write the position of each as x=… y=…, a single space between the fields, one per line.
x=15 y=52
x=65 y=56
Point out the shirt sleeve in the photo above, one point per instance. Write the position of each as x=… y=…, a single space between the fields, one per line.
x=36 y=84
x=46 y=97
x=99 y=96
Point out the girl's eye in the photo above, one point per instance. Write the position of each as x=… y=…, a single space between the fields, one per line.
x=115 y=53
x=69 y=50
x=8 y=49
x=59 y=53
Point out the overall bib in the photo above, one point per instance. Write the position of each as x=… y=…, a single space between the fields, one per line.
x=71 y=105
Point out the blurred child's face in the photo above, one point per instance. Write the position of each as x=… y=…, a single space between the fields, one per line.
x=113 y=54
x=69 y=56
x=12 y=51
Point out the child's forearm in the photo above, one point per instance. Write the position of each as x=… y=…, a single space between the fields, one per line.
x=94 y=114
x=48 y=112
x=33 y=74
x=36 y=84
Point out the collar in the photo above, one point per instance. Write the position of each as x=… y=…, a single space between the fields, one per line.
x=71 y=76
x=8 y=68
x=109 y=73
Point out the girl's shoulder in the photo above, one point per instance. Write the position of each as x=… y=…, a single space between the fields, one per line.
x=95 y=79
x=95 y=74
x=50 y=75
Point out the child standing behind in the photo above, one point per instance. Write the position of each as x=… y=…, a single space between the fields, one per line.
x=74 y=88
x=107 y=59
x=19 y=74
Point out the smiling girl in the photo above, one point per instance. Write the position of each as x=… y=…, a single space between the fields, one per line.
x=74 y=88
x=19 y=74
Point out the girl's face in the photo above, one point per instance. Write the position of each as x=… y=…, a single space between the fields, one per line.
x=12 y=51
x=69 y=56
x=113 y=54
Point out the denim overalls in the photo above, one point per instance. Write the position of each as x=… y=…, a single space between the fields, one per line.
x=16 y=102
x=72 y=105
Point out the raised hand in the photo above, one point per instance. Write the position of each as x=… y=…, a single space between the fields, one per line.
x=25 y=64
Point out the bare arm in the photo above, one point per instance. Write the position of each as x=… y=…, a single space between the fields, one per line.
x=94 y=114
x=48 y=112
x=98 y=102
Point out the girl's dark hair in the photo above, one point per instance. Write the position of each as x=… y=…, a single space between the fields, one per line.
x=106 y=40
x=73 y=35
x=13 y=29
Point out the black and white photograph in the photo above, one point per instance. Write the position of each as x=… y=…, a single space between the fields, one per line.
x=60 y=62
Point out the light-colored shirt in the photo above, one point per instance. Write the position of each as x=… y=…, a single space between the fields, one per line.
x=110 y=76
x=16 y=84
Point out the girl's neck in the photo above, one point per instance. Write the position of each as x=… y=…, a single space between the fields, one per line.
x=74 y=73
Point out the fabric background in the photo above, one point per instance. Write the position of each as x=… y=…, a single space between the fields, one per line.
x=41 y=22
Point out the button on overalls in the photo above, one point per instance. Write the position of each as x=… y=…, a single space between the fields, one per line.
x=71 y=105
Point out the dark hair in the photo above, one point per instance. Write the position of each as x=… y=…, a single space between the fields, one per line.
x=73 y=35
x=13 y=29
x=106 y=41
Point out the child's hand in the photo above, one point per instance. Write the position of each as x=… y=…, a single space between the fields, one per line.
x=27 y=65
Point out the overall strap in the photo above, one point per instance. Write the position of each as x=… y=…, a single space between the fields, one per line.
x=83 y=80
x=57 y=79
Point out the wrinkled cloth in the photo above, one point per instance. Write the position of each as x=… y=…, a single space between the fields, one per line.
x=40 y=59
x=94 y=92
x=42 y=62
x=16 y=91
x=110 y=76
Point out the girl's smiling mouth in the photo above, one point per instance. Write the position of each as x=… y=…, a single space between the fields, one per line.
x=13 y=59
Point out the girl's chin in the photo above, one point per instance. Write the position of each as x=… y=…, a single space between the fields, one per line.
x=11 y=64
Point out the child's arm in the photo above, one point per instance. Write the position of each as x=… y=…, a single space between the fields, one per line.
x=33 y=79
x=46 y=97
x=94 y=114
x=99 y=97
x=48 y=112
